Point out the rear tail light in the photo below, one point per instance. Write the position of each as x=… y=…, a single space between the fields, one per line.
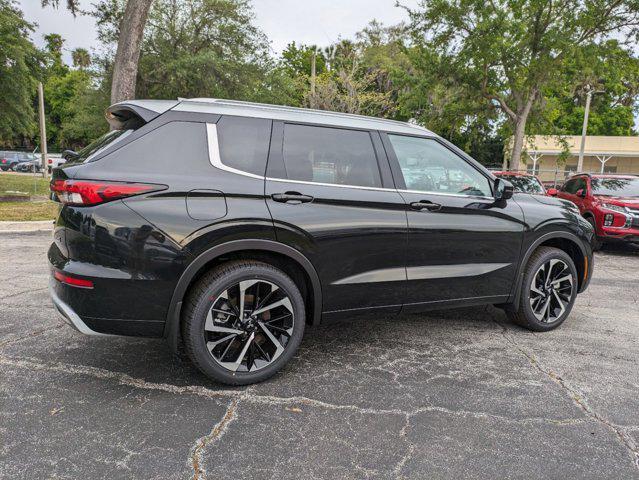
x=50 y=161
x=73 y=281
x=89 y=192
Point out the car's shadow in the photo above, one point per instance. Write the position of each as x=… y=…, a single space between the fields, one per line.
x=620 y=249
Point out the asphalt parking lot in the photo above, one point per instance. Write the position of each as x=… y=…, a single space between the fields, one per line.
x=454 y=394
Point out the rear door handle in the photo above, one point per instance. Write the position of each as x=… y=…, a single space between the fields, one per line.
x=291 y=197
x=426 y=205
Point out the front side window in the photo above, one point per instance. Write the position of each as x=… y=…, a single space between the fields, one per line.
x=428 y=166
x=330 y=155
x=574 y=185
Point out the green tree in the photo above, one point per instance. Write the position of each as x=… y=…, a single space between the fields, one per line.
x=205 y=48
x=19 y=70
x=130 y=31
x=508 y=52
x=81 y=58
x=613 y=71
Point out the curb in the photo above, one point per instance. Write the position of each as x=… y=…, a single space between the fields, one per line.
x=26 y=227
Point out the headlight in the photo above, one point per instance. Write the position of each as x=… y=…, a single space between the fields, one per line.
x=615 y=208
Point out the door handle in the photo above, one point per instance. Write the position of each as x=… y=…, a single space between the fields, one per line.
x=426 y=205
x=294 y=198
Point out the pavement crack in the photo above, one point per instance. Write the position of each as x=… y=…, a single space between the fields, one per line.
x=249 y=395
x=577 y=397
x=397 y=471
x=218 y=430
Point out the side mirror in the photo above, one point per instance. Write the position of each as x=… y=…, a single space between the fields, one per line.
x=581 y=193
x=552 y=192
x=503 y=189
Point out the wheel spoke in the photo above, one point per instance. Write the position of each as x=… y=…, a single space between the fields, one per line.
x=233 y=366
x=565 y=278
x=278 y=346
x=244 y=286
x=274 y=288
x=212 y=344
x=560 y=304
x=534 y=288
x=285 y=302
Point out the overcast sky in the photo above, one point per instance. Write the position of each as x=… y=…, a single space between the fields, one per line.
x=319 y=22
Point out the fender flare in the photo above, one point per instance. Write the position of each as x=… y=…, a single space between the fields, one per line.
x=172 y=325
x=514 y=298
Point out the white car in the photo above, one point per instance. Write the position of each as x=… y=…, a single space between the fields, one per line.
x=54 y=160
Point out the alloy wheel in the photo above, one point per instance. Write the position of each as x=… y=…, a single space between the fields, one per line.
x=551 y=290
x=249 y=325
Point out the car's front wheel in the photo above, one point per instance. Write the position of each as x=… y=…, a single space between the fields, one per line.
x=548 y=291
x=243 y=321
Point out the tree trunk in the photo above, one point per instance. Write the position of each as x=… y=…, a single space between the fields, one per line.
x=518 y=142
x=125 y=67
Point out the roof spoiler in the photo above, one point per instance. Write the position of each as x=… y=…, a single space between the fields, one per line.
x=132 y=114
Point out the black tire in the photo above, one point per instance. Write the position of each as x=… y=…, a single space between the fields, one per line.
x=208 y=290
x=596 y=241
x=523 y=313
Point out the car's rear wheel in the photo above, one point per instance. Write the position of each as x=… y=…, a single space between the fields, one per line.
x=548 y=291
x=242 y=322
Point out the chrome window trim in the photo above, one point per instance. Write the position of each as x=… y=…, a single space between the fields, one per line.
x=442 y=194
x=216 y=160
x=339 y=185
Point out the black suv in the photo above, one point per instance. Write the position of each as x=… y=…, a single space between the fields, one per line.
x=228 y=227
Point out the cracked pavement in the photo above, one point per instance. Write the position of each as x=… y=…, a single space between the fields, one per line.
x=449 y=394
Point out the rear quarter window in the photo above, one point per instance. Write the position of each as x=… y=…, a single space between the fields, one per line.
x=244 y=143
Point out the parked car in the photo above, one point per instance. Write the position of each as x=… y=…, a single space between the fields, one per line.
x=228 y=227
x=34 y=165
x=609 y=202
x=54 y=160
x=11 y=160
x=526 y=183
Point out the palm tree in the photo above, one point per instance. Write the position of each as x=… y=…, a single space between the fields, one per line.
x=81 y=58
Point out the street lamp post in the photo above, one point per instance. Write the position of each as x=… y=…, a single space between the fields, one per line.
x=584 y=129
x=590 y=91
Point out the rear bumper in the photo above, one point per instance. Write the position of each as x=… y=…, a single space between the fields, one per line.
x=68 y=314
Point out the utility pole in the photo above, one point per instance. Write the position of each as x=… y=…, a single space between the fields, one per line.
x=584 y=129
x=43 y=130
x=312 y=102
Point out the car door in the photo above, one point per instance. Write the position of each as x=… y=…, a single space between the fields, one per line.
x=331 y=196
x=463 y=246
x=569 y=191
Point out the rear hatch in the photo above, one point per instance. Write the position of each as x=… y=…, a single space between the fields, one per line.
x=73 y=191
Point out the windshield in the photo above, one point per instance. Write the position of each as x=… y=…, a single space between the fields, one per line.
x=95 y=147
x=524 y=183
x=616 y=187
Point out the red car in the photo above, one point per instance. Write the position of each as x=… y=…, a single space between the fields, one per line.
x=609 y=202
x=526 y=183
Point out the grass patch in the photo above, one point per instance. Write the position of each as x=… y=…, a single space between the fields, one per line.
x=35 y=185
x=23 y=211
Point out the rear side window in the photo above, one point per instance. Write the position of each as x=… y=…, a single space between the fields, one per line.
x=244 y=143
x=330 y=155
